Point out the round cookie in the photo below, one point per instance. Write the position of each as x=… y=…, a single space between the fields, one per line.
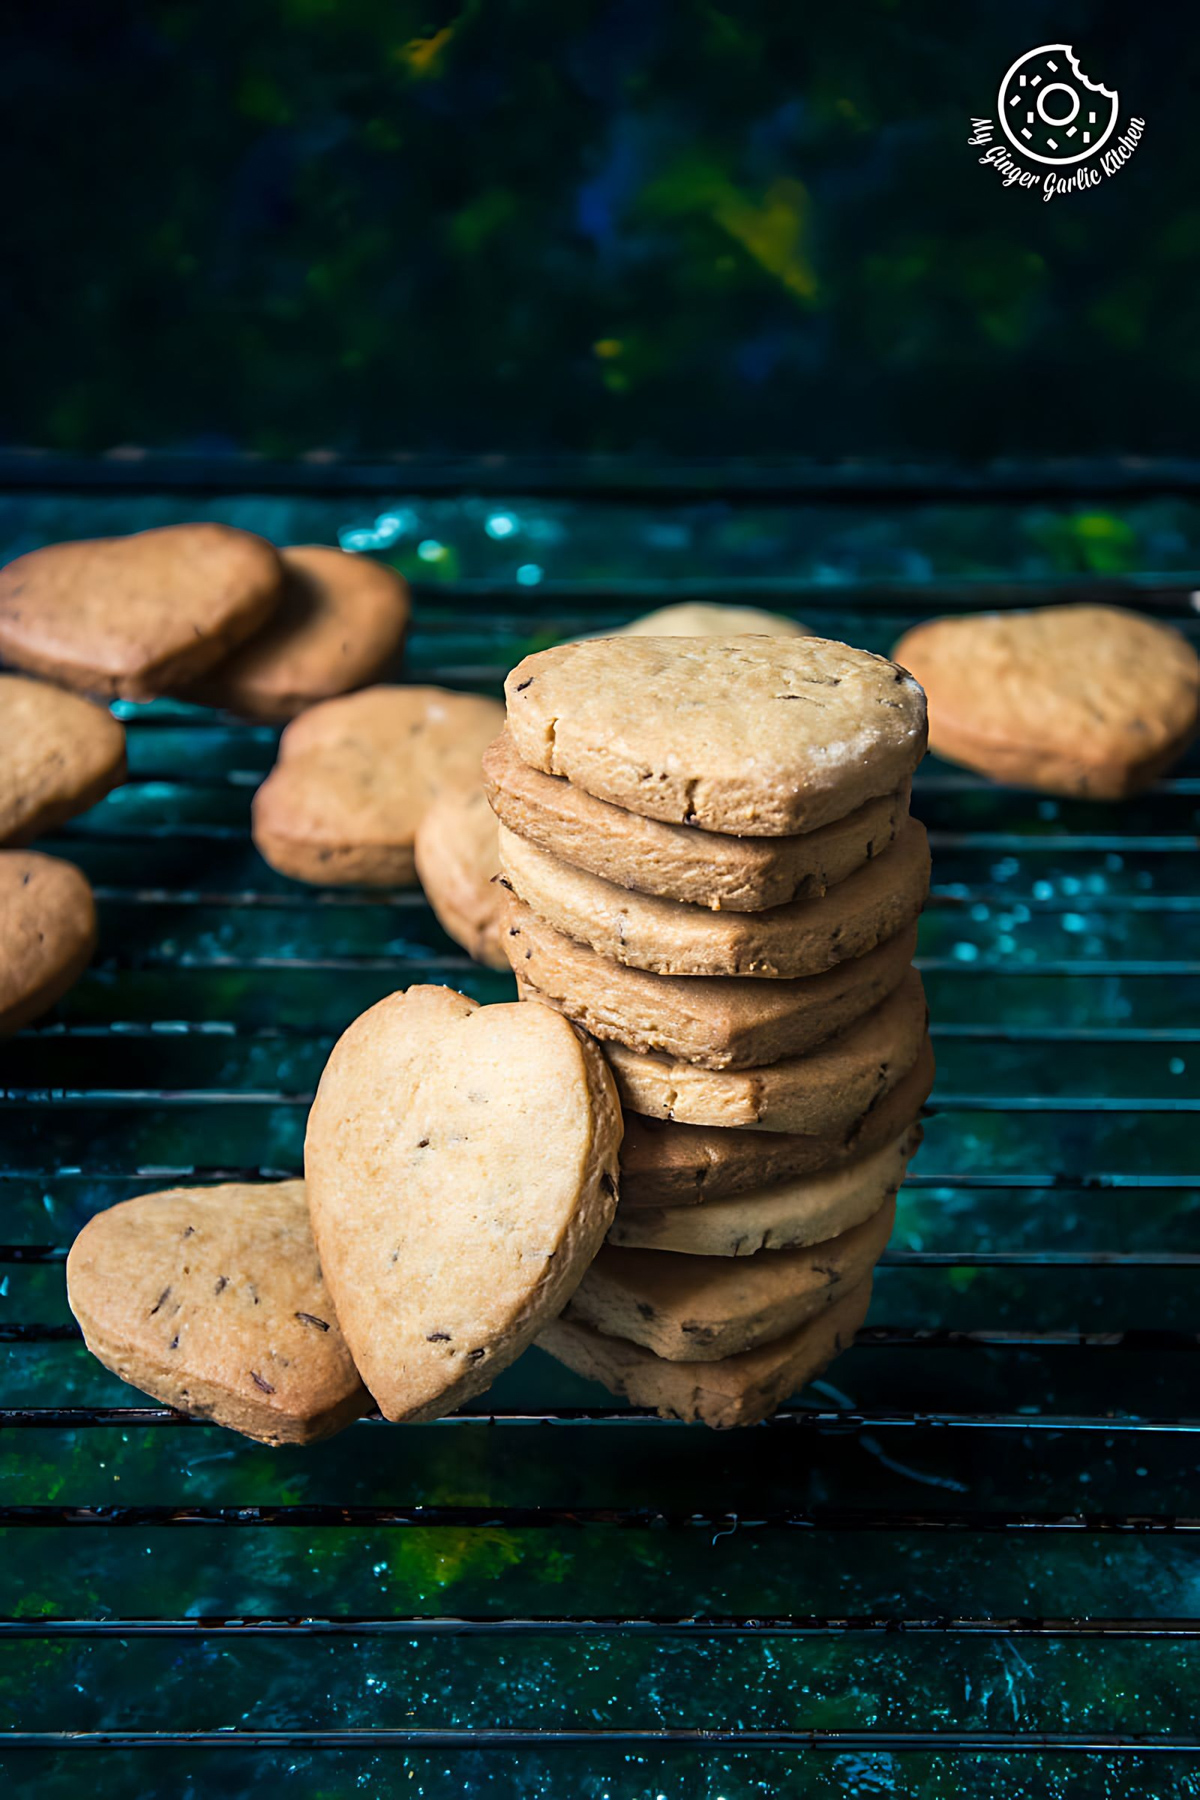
x=787 y=1216
x=668 y=937
x=355 y=776
x=136 y=616
x=702 y=1308
x=1088 y=700
x=823 y=1091
x=212 y=1300
x=737 y=1390
x=47 y=933
x=733 y=1022
x=461 y=1165
x=667 y=1165
x=339 y=625
x=699 y=618
x=760 y=737
x=704 y=868
x=59 y=754
x=458 y=867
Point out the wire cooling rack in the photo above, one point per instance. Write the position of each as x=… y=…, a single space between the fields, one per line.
x=966 y=1562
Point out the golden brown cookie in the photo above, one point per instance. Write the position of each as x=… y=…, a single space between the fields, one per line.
x=212 y=1300
x=678 y=862
x=701 y=1308
x=786 y=1216
x=669 y=1165
x=136 y=616
x=339 y=625
x=58 y=756
x=733 y=1022
x=761 y=737
x=825 y=1090
x=356 y=775
x=1088 y=700
x=47 y=933
x=737 y=1390
x=668 y=937
x=461 y=1165
x=456 y=854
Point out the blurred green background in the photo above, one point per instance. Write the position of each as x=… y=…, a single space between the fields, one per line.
x=651 y=226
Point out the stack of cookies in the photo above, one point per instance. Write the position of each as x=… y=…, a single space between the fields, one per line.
x=710 y=865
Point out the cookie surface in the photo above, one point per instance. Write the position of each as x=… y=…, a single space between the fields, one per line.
x=457 y=859
x=699 y=618
x=47 y=933
x=135 y=616
x=212 y=1300
x=59 y=754
x=339 y=625
x=356 y=775
x=738 y=1390
x=790 y=1214
x=825 y=1090
x=731 y=1022
x=668 y=1165
x=760 y=737
x=1089 y=700
x=701 y=1308
x=677 y=862
x=668 y=937
x=461 y=1165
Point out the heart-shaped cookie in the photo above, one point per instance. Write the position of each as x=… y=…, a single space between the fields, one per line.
x=47 y=933
x=135 y=616
x=461 y=1165
x=212 y=1300
x=59 y=754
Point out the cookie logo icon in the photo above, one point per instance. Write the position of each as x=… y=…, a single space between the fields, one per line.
x=1050 y=111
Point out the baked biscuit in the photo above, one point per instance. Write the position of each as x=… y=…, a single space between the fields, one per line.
x=339 y=625
x=457 y=864
x=805 y=1210
x=212 y=1300
x=699 y=618
x=704 y=868
x=825 y=1090
x=58 y=756
x=356 y=775
x=47 y=933
x=1087 y=700
x=669 y=1165
x=760 y=737
x=702 y=1308
x=668 y=937
x=136 y=616
x=738 y=1390
x=462 y=1171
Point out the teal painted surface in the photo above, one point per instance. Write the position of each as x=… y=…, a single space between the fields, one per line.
x=1030 y=896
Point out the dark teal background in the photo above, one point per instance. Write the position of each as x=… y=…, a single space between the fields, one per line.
x=554 y=226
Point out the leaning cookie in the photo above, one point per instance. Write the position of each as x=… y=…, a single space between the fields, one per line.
x=212 y=1300
x=135 y=616
x=737 y=1390
x=59 y=754
x=703 y=1308
x=47 y=933
x=461 y=1164
x=339 y=625
x=355 y=776
x=1087 y=700
x=758 y=737
x=457 y=865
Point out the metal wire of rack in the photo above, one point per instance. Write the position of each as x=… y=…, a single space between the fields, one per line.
x=966 y=1562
